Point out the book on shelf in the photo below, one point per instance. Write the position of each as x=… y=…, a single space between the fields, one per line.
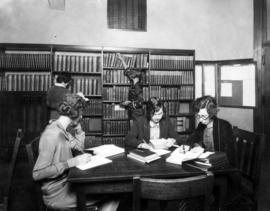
x=107 y=150
x=92 y=124
x=143 y=155
x=95 y=161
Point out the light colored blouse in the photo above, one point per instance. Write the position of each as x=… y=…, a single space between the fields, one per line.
x=51 y=165
x=154 y=130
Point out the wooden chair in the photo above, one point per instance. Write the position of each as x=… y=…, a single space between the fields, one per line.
x=249 y=150
x=10 y=171
x=172 y=189
x=32 y=154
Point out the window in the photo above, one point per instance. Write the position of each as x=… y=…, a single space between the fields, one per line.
x=127 y=14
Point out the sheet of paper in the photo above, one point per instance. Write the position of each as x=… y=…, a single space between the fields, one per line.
x=160 y=151
x=107 y=150
x=226 y=90
x=96 y=160
x=206 y=154
x=178 y=156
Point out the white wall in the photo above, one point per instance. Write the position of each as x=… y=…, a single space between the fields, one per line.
x=242 y=118
x=216 y=29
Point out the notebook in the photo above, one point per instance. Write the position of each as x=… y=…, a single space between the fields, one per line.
x=96 y=160
x=143 y=155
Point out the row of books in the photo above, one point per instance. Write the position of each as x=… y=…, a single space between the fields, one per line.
x=94 y=107
x=171 y=62
x=25 y=60
x=93 y=141
x=118 y=93
x=77 y=62
x=115 y=127
x=174 y=108
x=173 y=93
x=88 y=85
x=117 y=76
x=181 y=124
x=171 y=77
x=114 y=111
x=91 y=124
x=132 y=60
x=118 y=141
x=26 y=81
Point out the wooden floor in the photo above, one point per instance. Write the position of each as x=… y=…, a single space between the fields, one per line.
x=24 y=198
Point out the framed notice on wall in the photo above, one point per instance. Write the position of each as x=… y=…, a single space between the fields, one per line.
x=236 y=85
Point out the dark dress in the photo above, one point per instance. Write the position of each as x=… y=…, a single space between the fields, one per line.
x=222 y=135
x=140 y=131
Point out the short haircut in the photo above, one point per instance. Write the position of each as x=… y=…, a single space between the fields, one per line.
x=207 y=102
x=63 y=77
x=72 y=106
x=153 y=105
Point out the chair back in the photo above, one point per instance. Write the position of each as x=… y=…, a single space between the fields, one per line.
x=10 y=173
x=249 y=151
x=173 y=189
x=32 y=151
x=32 y=154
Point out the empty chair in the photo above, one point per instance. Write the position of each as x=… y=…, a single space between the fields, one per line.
x=10 y=171
x=249 y=150
x=172 y=189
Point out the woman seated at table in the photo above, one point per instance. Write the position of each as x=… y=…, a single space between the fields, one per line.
x=212 y=133
x=55 y=157
x=153 y=131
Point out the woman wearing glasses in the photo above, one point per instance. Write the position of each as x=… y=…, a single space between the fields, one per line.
x=153 y=131
x=212 y=133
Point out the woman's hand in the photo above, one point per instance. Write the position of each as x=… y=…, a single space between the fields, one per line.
x=170 y=142
x=79 y=160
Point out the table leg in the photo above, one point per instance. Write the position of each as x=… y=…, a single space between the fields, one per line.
x=222 y=183
x=81 y=199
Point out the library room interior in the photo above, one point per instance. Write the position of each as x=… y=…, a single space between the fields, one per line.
x=134 y=105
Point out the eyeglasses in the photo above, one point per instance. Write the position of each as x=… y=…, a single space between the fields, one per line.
x=202 y=117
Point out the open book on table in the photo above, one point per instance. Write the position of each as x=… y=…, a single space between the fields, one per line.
x=107 y=150
x=96 y=160
x=178 y=157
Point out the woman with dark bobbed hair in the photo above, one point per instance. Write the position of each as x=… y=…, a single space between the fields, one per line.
x=212 y=133
x=155 y=130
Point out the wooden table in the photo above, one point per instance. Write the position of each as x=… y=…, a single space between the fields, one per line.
x=117 y=177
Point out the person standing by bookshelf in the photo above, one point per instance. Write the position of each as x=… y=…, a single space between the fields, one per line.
x=56 y=94
x=55 y=157
x=155 y=125
x=134 y=104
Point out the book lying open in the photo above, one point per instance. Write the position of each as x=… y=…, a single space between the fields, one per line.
x=143 y=155
x=107 y=150
x=96 y=160
x=178 y=157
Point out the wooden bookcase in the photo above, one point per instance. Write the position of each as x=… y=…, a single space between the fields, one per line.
x=27 y=70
